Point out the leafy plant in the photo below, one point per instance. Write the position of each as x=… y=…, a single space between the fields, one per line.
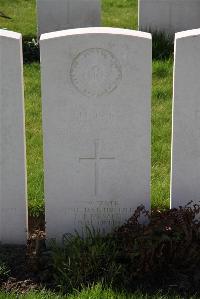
x=170 y=243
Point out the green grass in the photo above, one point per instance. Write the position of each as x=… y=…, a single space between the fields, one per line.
x=120 y=13
x=116 y=13
x=97 y=292
x=23 y=14
x=34 y=146
x=161 y=132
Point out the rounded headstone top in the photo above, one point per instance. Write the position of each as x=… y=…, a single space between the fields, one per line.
x=96 y=30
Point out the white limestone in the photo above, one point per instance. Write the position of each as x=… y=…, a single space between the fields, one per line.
x=185 y=177
x=169 y=16
x=13 y=210
x=96 y=90
x=55 y=15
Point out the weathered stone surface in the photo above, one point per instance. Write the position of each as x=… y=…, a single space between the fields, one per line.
x=169 y=16
x=96 y=94
x=185 y=178
x=55 y=15
x=13 y=210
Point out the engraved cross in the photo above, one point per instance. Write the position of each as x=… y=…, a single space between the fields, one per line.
x=96 y=159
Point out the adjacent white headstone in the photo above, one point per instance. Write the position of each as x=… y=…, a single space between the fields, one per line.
x=13 y=210
x=55 y=15
x=96 y=86
x=169 y=16
x=185 y=177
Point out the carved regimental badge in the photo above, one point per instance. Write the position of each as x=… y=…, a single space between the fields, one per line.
x=95 y=72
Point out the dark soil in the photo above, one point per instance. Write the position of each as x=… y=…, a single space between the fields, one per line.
x=24 y=262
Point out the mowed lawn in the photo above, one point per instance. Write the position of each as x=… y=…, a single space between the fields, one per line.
x=116 y=13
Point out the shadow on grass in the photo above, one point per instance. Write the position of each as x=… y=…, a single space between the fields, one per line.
x=31 y=50
x=162 y=45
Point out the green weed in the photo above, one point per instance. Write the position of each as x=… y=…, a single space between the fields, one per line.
x=95 y=292
x=83 y=260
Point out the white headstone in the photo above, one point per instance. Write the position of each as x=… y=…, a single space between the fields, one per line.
x=169 y=16
x=96 y=86
x=55 y=15
x=185 y=177
x=13 y=210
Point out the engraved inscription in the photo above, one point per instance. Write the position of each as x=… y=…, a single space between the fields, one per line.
x=101 y=214
x=96 y=159
x=95 y=72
